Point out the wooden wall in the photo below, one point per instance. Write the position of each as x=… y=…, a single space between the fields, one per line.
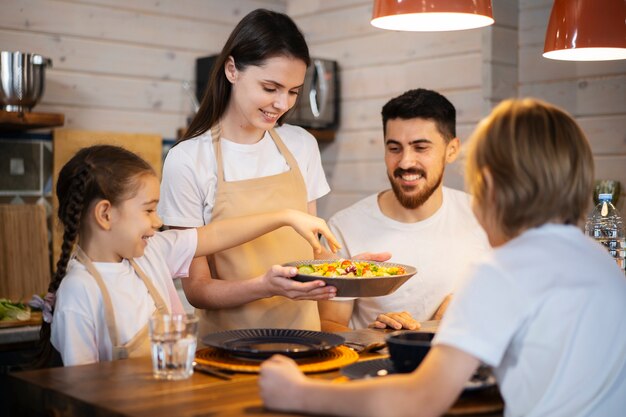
x=475 y=69
x=469 y=67
x=119 y=65
x=594 y=92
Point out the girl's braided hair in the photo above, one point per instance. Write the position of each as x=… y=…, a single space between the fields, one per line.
x=101 y=172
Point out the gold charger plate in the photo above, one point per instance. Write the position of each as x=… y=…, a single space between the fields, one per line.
x=326 y=361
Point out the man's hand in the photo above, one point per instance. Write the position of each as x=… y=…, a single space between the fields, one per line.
x=402 y=320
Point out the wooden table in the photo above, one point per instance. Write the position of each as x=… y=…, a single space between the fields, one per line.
x=126 y=388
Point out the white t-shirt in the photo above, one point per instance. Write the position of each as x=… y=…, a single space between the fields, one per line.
x=548 y=311
x=441 y=247
x=190 y=171
x=79 y=330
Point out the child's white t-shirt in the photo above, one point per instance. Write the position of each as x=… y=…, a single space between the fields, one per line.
x=79 y=330
x=548 y=311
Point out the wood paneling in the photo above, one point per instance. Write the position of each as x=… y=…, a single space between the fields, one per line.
x=24 y=253
x=119 y=65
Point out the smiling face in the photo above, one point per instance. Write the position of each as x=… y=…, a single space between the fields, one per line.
x=415 y=155
x=135 y=220
x=261 y=94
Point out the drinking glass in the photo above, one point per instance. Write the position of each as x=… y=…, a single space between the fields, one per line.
x=173 y=340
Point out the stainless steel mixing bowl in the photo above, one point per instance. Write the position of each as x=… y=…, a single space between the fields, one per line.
x=22 y=80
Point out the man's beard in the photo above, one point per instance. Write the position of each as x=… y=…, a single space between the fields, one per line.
x=415 y=200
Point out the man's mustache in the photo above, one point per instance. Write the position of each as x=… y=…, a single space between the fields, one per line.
x=399 y=172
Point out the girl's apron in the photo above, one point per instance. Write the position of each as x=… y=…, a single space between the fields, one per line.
x=139 y=345
x=259 y=195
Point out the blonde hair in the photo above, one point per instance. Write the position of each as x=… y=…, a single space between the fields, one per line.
x=540 y=162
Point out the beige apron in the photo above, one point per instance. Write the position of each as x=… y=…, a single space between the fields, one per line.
x=139 y=345
x=258 y=195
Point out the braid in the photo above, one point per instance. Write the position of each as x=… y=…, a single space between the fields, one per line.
x=70 y=214
x=70 y=217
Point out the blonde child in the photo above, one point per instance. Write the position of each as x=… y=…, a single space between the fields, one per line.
x=546 y=309
x=116 y=269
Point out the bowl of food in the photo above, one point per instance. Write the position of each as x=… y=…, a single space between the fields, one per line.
x=355 y=278
x=408 y=348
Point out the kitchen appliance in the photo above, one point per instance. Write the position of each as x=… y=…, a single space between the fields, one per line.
x=22 y=80
x=318 y=103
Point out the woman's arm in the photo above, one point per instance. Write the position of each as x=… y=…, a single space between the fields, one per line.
x=428 y=391
x=224 y=234
x=204 y=292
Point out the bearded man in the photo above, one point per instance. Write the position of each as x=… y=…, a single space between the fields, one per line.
x=419 y=221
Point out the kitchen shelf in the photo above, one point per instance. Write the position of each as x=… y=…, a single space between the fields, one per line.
x=323 y=135
x=16 y=121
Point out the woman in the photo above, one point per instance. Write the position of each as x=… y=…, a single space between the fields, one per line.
x=546 y=309
x=234 y=162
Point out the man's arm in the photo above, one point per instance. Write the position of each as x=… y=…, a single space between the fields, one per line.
x=429 y=391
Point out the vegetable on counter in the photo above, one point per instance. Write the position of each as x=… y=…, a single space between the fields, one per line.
x=13 y=311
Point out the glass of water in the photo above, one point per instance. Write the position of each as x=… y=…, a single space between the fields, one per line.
x=173 y=340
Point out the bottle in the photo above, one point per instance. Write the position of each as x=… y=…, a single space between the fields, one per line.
x=606 y=226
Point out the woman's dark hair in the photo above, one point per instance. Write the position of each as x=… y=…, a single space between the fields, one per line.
x=423 y=104
x=96 y=173
x=260 y=35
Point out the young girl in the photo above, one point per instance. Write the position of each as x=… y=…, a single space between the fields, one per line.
x=235 y=161
x=122 y=267
x=546 y=309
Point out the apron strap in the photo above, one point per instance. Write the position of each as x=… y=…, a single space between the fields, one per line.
x=291 y=161
x=124 y=352
x=216 y=132
x=119 y=351
x=109 y=314
x=158 y=300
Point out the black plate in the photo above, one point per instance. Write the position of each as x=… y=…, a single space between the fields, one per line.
x=263 y=343
x=354 y=286
x=483 y=378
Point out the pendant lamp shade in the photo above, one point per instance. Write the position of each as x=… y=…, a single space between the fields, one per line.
x=431 y=15
x=586 y=30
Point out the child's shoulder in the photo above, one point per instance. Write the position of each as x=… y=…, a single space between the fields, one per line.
x=77 y=277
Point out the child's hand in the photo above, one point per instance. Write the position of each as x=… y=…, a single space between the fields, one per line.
x=277 y=281
x=280 y=381
x=309 y=227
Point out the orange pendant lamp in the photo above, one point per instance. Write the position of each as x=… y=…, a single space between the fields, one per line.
x=586 y=30
x=431 y=15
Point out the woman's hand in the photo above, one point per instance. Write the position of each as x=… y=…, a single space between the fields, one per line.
x=277 y=281
x=280 y=381
x=309 y=227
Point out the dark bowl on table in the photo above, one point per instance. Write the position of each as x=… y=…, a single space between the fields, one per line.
x=408 y=348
